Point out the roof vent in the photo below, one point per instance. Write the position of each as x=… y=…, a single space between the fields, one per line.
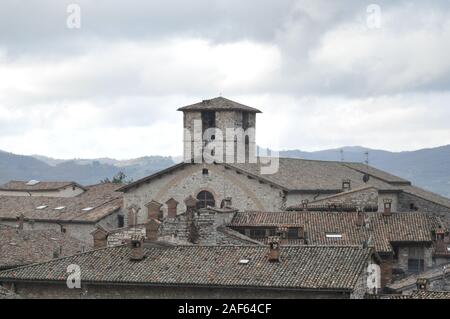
x=60 y=208
x=41 y=207
x=87 y=209
x=244 y=261
x=32 y=182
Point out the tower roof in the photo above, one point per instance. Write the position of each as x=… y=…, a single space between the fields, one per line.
x=218 y=104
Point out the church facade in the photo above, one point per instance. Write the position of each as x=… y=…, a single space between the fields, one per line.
x=215 y=175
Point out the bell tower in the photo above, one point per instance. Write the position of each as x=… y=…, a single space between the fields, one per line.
x=219 y=130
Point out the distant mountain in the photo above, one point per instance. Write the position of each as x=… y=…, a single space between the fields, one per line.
x=84 y=171
x=427 y=168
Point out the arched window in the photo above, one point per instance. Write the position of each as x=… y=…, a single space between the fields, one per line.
x=205 y=199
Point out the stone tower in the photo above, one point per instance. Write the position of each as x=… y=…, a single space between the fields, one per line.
x=219 y=130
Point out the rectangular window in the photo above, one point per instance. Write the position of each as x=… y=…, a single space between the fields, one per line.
x=257 y=233
x=416 y=259
x=208 y=120
x=333 y=235
x=293 y=233
x=120 y=221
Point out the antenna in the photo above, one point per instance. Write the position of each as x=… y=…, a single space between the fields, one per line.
x=367 y=154
x=342 y=154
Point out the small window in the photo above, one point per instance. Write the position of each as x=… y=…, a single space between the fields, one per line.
x=87 y=209
x=292 y=233
x=60 y=207
x=333 y=235
x=120 y=221
x=205 y=171
x=41 y=207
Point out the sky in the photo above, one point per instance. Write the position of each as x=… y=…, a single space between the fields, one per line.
x=104 y=78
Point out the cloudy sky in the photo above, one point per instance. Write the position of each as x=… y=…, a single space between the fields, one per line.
x=325 y=73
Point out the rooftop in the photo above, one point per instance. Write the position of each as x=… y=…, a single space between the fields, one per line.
x=381 y=231
x=301 y=267
x=103 y=198
x=22 y=247
x=218 y=104
x=36 y=186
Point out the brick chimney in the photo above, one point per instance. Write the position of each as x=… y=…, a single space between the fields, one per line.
x=360 y=218
x=274 y=249
x=305 y=204
x=132 y=215
x=387 y=207
x=153 y=209
x=137 y=248
x=151 y=229
x=422 y=284
x=100 y=237
x=171 y=208
x=441 y=245
x=20 y=221
x=191 y=203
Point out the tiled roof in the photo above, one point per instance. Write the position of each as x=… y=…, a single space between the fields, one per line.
x=102 y=198
x=22 y=247
x=218 y=104
x=383 y=230
x=301 y=267
x=401 y=227
x=41 y=186
x=420 y=294
x=411 y=281
x=299 y=175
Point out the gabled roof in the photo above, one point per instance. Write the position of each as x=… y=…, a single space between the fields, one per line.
x=40 y=186
x=302 y=267
x=293 y=175
x=218 y=104
x=22 y=247
x=102 y=198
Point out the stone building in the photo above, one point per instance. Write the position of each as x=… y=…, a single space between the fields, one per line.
x=140 y=271
x=76 y=216
x=37 y=188
x=249 y=186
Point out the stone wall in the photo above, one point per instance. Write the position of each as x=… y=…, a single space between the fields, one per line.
x=246 y=193
x=361 y=198
x=88 y=291
x=423 y=205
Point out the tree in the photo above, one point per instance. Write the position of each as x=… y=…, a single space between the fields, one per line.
x=119 y=178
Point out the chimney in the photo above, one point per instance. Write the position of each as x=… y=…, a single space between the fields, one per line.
x=387 y=207
x=20 y=220
x=441 y=246
x=191 y=204
x=361 y=218
x=137 y=248
x=151 y=229
x=274 y=249
x=100 y=237
x=172 y=208
x=153 y=209
x=305 y=204
x=422 y=284
x=346 y=185
x=133 y=215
